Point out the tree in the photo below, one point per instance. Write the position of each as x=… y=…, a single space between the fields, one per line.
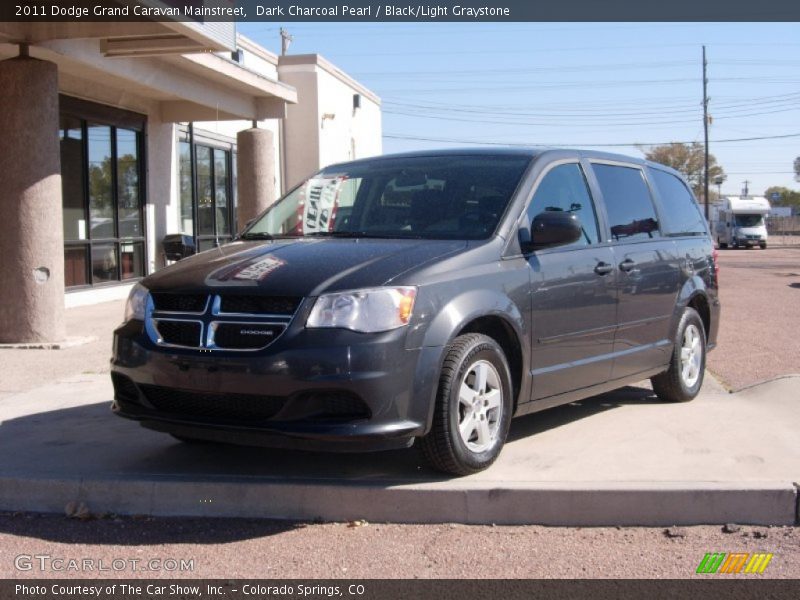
x=797 y=168
x=787 y=197
x=688 y=159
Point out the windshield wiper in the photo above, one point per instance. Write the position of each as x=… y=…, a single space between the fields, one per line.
x=359 y=234
x=263 y=235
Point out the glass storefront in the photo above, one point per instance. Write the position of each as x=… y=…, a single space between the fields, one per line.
x=207 y=191
x=103 y=193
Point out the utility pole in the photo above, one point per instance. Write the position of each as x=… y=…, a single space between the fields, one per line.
x=705 y=129
x=746 y=189
x=286 y=39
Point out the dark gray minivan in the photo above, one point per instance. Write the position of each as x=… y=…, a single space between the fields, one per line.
x=427 y=297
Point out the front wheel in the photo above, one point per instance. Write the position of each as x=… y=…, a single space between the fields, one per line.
x=763 y=245
x=684 y=378
x=473 y=407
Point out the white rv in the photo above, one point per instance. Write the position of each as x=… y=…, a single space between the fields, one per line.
x=738 y=221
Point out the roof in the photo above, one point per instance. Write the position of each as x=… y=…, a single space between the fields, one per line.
x=529 y=152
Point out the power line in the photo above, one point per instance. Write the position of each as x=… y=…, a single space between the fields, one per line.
x=395 y=136
x=720 y=111
x=595 y=121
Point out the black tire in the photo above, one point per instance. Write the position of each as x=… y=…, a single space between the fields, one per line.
x=763 y=246
x=672 y=385
x=723 y=246
x=443 y=447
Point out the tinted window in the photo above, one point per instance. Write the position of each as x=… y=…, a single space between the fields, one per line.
x=681 y=214
x=631 y=215
x=564 y=189
x=435 y=197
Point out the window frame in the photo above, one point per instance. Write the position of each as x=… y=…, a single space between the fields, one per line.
x=661 y=201
x=591 y=188
x=194 y=139
x=106 y=116
x=653 y=194
x=550 y=168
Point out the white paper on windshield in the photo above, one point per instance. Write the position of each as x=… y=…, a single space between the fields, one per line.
x=319 y=200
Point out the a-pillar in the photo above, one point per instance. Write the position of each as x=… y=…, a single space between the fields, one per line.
x=255 y=173
x=31 y=229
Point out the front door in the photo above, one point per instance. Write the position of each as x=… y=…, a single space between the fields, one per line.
x=573 y=292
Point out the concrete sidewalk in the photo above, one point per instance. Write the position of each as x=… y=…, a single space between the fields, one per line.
x=622 y=458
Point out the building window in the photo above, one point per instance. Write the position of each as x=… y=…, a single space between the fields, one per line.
x=207 y=192
x=103 y=198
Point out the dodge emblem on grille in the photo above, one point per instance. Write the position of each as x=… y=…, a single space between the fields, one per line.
x=255 y=332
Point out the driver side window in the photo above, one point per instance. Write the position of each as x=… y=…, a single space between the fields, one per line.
x=564 y=188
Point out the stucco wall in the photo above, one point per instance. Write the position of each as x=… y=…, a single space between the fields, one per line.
x=323 y=127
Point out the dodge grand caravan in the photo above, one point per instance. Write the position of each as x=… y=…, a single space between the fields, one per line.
x=426 y=298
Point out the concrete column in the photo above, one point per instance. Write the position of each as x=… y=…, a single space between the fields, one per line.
x=255 y=173
x=31 y=219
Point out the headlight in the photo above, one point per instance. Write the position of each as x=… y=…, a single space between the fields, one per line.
x=134 y=308
x=367 y=311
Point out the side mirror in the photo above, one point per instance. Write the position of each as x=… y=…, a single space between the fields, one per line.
x=551 y=228
x=177 y=246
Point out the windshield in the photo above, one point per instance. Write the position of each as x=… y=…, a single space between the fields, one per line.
x=748 y=220
x=435 y=197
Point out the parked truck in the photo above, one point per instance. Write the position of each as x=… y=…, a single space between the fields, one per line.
x=738 y=221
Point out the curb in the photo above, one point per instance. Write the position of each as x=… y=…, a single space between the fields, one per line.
x=577 y=505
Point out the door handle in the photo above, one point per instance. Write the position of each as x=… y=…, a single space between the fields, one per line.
x=603 y=268
x=627 y=265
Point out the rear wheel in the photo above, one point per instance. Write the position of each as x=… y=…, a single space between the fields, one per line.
x=473 y=407
x=684 y=378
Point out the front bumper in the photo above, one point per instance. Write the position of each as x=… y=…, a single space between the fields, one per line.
x=311 y=389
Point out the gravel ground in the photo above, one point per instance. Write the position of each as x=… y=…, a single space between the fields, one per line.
x=760 y=295
x=240 y=548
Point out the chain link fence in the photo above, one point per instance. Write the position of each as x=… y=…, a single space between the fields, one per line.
x=783 y=231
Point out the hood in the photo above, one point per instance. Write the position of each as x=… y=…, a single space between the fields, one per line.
x=301 y=267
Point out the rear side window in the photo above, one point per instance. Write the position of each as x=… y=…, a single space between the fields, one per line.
x=681 y=214
x=564 y=189
x=631 y=214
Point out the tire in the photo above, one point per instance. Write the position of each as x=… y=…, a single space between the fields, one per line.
x=763 y=246
x=474 y=362
x=723 y=246
x=684 y=378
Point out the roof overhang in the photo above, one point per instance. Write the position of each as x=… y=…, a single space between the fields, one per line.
x=150 y=61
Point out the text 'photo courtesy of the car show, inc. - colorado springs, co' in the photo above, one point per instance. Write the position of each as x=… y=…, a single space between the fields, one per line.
x=354 y=299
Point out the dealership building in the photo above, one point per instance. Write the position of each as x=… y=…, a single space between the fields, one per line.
x=118 y=134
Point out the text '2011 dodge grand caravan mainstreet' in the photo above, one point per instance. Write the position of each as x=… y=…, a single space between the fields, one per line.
x=427 y=296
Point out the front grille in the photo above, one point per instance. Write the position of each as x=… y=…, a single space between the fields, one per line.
x=245 y=336
x=124 y=389
x=216 y=407
x=259 y=305
x=179 y=333
x=194 y=303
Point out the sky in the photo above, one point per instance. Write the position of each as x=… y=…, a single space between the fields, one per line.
x=609 y=86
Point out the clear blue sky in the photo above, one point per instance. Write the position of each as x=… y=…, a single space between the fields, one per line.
x=575 y=84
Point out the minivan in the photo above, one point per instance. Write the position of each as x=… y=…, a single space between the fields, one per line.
x=426 y=298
